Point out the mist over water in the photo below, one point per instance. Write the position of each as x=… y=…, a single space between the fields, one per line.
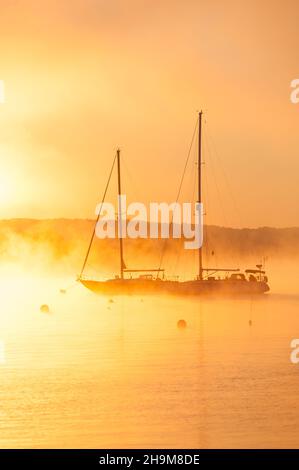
x=99 y=371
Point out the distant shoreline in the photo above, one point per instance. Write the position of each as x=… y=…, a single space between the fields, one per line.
x=89 y=220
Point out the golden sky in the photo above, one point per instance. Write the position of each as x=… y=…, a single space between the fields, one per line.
x=85 y=76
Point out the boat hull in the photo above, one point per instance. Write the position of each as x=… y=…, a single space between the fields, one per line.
x=149 y=286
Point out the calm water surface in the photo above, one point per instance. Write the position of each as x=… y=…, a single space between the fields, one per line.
x=100 y=373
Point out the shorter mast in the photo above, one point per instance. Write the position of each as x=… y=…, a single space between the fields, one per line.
x=121 y=249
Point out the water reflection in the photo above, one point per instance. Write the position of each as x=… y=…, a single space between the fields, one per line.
x=86 y=376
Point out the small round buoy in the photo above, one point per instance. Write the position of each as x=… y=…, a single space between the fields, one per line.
x=111 y=301
x=62 y=291
x=44 y=308
x=181 y=324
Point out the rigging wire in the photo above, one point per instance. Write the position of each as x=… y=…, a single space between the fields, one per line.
x=136 y=188
x=218 y=190
x=193 y=187
x=212 y=166
x=136 y=193
x=226 y=178
x=209 y=206
x=179 y=191
x=235 y=205
x=206 y=210
x=97 y=219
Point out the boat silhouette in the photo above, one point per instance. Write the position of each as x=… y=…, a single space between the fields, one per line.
x=209 y=281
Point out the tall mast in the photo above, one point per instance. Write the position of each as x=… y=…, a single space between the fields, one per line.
x=120 y=217
x=199 y=163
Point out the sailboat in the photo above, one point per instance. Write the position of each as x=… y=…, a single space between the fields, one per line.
x=209 y=281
